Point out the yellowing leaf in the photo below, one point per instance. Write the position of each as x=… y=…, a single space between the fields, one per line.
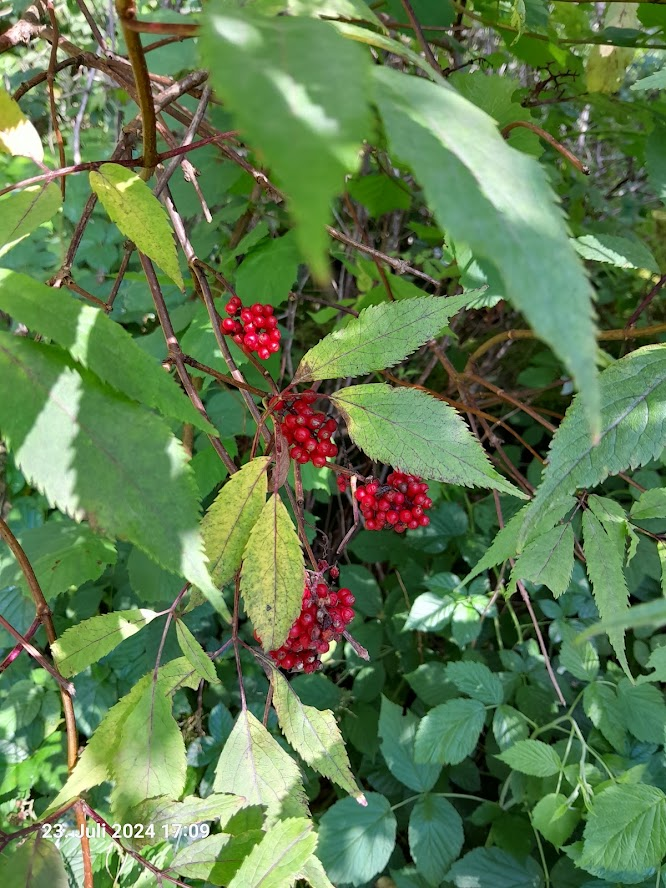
x=138 y=214
x=273 y=576
x=195 y=654
x=17 y=135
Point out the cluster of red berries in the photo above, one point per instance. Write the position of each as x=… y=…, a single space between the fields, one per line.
x=323 y=619
x=307 y=431
x=254 y=329
x=399 y=505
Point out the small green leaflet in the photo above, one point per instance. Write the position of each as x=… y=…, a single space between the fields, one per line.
x=195 y=653
x=651 y=504
x=254 y=765
x=315 y=736
x=381 y=336
x=98 y=343
x=17 y=134
x=21 y=212
x=494 y=868
x=105 y=457
x=643 y=711
x=554 y=818
x=603 y=710
x=149 y=759
x=93 y=639
x=532 y=757
x=477 y=681
x=313 y=872
x=227 y=525
x=609 y=586
x=499 y=202
x=509 y=726
x=633 y=431
x=199 y=860
x=316 y=85
x=162 y=812
x=416 y=433
x=548 y=560
x=139 y=215
x=652 y=81
x=277 y=860
x=625 y=834
x=450 y=732
x=397 y=734
x=619 y=251
x=435 y=836
x=273 y=574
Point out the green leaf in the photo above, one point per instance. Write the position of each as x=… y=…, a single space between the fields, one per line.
x=655 y=159
x=227 y=524
x=548 y=560
x=633 y=430
x=603 y=710
x=313 y=872
x=509 y=726
x=397 y=734
x=21 y=212
x=652 y=81
x=98 y=343
x=609 y=586
x=315 y=83
x=650 y=504
x=381 y=336
x=195 y=653
x=381 y=41
x=92 y=639
x=618 y=251
x=625 y=834
x=37 y=863
x=17 y=134
x=94 y=453
x=201 y=859
x=417 y=433
x=149 y=759
x=63 y=555
x=435 y=836
x=379 y=193
x=166 y=816
x=355 y=843
x=254 y=765
x=554 y=819
x=494 y=868
x=643 y=711
x=498 y=201
x=581 y=660
x=273 y=574
x=315 y=736
x=477 y=681
x=532 y=757
x=652 y=614
x=450 y=732
x=277 y=860
x=271 y=269
x=139 y=215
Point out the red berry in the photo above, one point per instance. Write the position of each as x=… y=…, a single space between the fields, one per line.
x=228 y=325
x=263 y=353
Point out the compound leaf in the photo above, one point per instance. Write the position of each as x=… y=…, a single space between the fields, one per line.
x=548 y=560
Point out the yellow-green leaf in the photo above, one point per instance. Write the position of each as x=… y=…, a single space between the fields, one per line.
x=21 y=212
x=138 y=214
x=17 y=135
x=195 y=653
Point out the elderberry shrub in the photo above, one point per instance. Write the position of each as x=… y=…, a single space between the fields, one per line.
x=254 y=329
x=323 y=618
x=398 y=505
x=306 y=430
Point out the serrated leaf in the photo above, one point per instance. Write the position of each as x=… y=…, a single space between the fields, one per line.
x=381 y=336
x=63 y=554
x=477 y=681
x=652 y=81
x=554 y=818
x=149 y=759
x=227 y=524
x=625 y=834
x=254 y=765
x=494 y=868
x=602 y=708
x=277 y=860
x=98 y=343
x=509 y=726
x=315 y=874
x=548 y=560
x=315 y=83
x=618 y=251
x=532 y=757
x=37 y=863
x=95 y=454
x=17 y=134
x=355 y=843
x=139 y=215
x=273 y=574
x=435 y=836
x=166 y=815
x=408 y=429
x=92 y=639
x=450 y=732
x=315 y=736
x=21 y=212
x=643 y=711
x=650 y=504
x=609 y=586
x=633 y=430
x=498 y=201
x=199 y=860
x=397 y=735
x=195 y=654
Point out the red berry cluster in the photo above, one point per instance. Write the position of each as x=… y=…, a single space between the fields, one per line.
x=341 y=481
x=323 y=618
x=254 y=329
x=307 y=431
x=399 y=505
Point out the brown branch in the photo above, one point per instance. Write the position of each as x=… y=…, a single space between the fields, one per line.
x=646 y=301
x=558 y=146
x=418 y=30
x=24 y=30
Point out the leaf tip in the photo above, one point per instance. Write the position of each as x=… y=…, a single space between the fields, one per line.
x=361 y=799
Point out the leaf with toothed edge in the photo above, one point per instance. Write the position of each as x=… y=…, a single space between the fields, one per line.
x=417 y=433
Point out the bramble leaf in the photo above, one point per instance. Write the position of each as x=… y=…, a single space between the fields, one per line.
x=477 y=681
x=416 y=433
x=450 y=732
x=278 y=859
x=435 y=836
x=397 y=735
x=532 y=757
